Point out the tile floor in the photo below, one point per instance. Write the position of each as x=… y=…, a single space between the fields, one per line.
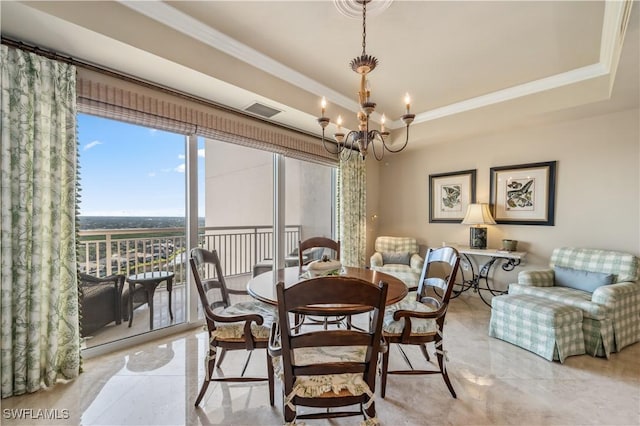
x=497 y=384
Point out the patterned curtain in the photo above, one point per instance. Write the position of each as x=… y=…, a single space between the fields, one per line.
x=352 y=214
x=40 y=336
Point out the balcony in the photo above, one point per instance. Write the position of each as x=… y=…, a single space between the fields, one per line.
x=104 y=252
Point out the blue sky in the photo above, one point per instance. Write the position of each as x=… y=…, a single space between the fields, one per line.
x=128 y=170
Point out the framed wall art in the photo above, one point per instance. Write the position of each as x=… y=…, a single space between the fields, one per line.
x=524 y=194
x=450 y=194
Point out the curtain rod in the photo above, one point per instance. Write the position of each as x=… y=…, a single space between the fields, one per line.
x=18 y=44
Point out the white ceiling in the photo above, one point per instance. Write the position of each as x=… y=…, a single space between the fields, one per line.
x=470 y=67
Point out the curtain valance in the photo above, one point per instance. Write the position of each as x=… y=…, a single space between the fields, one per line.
x=111 y=97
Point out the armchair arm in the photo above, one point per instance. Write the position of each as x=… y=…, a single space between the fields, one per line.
x=249 y=339
x=437 y=315
x=608 y=295
x=257 y=318
x=376 y=259
x=542 y=278
x=416 y=263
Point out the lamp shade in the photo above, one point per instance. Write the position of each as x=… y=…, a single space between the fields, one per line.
x=478 y=214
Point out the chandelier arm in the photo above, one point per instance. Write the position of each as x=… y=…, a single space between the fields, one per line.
x=346 y=151
x=402 y=147
x=345 y=155
x=338 y=150
x=375 y=133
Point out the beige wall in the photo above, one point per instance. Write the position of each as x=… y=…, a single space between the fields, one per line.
x=597 y=186
x=239 y=190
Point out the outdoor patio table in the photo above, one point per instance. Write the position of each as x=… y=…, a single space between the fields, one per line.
x=149 y=282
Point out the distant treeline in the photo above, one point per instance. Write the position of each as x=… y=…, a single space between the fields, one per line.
x=126 y=222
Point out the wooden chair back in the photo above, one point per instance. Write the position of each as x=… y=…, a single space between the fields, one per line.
x=315 y=242
x=205 y=263
x=448 y=259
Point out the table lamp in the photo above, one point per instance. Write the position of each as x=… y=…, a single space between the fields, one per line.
x=478 y=214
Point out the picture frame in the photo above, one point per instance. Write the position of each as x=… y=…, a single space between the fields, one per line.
x=523 y=194
x=450 y=194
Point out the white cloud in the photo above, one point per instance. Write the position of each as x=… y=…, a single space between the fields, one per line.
x=181 y=157
x=151 y=174
x=91 y=145
x=179 y=168
x=152 y=131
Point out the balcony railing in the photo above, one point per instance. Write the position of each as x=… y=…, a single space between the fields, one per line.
x=104 y=252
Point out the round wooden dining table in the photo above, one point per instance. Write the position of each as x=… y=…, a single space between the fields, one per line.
x=263 y=287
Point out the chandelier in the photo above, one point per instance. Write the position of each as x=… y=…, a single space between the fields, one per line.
x=364 y=137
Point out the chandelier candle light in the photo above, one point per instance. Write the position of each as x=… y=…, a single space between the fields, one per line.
x=364 y=137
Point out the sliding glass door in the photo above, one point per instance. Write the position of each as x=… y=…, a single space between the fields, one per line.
x=131 y=223
x=138 y=189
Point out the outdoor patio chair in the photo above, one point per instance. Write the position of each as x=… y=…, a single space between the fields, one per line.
x=100 y=301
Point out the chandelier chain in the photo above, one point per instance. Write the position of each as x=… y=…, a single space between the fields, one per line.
x=364 y=28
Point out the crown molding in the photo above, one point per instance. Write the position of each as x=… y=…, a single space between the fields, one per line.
x=179 y=21
x=615 y=16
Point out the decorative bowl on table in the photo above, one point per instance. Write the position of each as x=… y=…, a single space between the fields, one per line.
x=323 y=267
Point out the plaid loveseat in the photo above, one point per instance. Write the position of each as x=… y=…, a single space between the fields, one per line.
x=611 y=313
x=398 y=256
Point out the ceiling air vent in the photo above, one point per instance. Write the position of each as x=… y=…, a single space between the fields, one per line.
x=262 y=110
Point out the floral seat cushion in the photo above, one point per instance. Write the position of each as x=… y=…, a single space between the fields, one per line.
x=235 y=330
x=330 y=384
x=418 y=326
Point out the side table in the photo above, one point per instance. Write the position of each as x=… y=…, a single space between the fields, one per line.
x=149 y=282
x=509 y=260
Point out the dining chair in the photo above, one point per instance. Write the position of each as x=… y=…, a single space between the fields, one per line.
x=328 y=368
x=419 y=318
x=318 y=244
x=239 y=326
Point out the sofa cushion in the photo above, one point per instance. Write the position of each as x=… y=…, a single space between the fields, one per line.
x=580 y=279
x=402 y=272
x=399 y=258
x=566 y=295
x=624 y=266
x=395 y=244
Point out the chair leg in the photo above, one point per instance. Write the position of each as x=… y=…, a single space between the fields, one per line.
x=371 y=411
x=207 y=376
x=271 y=379
x=289 y=415
x=424 y=351
x=223 y=352
x=443 y=370
x=385 y=367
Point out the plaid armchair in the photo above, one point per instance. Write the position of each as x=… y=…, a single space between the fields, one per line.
x=611 y=312
x=398 y=256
